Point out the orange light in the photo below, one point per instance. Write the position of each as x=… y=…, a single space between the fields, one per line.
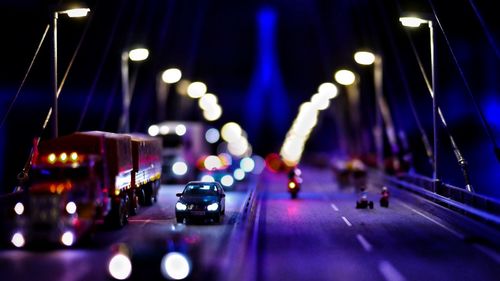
x=63 y=157
x=291 y=185
x=51 y=158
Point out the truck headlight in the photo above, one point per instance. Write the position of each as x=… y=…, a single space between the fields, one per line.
x=71 y=207
x=213 y=207
x=18 y=239
x=19 y=208
x=180 y=206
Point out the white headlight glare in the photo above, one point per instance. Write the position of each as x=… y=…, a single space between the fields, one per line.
x=180 y=206
x=175 y=266
x=120 y=267
x=213 y=207
x=18 y=239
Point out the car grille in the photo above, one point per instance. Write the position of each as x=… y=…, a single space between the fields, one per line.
x=194 y=207
x=44 y=209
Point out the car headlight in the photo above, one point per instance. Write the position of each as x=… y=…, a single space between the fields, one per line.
x=213 y=207
x=180 y=206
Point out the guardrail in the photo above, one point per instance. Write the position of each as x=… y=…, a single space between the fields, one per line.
x=474 y=205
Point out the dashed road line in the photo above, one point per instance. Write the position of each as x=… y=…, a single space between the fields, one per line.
x=334 y=207
x=456 y=233
x=367 y=246
x=389 y=272
x=347 y=221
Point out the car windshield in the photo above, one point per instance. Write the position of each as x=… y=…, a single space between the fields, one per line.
x=201 y=189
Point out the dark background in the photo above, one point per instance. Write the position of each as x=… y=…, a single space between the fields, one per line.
x=217 y=42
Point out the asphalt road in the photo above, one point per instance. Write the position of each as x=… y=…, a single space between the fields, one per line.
x=147 y=235
x=322 y=236
x=319 y=236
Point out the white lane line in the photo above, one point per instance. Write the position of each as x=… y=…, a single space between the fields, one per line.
x=489 y=252
x=367 y=246
x=457 y=234
x=335 y=207
x=389 y=272
x=346 y=221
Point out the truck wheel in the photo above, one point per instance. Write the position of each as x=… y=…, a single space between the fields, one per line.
x=134 y=203
x=217 y=219
x=141 y=197
x=148 y=194
x=122 y=218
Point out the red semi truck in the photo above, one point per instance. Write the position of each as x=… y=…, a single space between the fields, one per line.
x=86 y=177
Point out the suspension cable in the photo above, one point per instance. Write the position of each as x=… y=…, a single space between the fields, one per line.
x=487 y=32
x=484 y=122
x=25 y=76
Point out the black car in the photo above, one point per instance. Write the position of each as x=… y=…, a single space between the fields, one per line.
x=201 y=200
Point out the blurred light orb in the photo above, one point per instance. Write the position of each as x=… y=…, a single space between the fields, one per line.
x=212 y=162
x=18 y=240
x=345 y=77
x=171 y=75
x=196 y=89
x=364 y=57
x=212 y=135
x=231 y=132
x=180 y=130
x=207 y=178
x=329 y=89
x=120 y=267
x=138 y=54
x=207 y=100
x=247 y=164
x=175 y=266
x=212 y=113
x=153 y=130
x=239 y=174
x=179 y=168
x=227 y=180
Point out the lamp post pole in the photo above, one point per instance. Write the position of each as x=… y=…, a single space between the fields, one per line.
x=435 y=107
x=55 y=130
x=124 y=119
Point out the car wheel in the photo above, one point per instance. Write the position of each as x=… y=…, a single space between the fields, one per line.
x=217 y=219
x=180 y=220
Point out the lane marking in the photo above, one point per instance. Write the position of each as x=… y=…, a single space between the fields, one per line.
x=346 y=221
x=335 y=207
x=489 y=252
x=389 y=272
x=367 y=246
x=456 y=233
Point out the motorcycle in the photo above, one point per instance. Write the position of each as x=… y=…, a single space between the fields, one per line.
x=294 y=185
x=294 y=182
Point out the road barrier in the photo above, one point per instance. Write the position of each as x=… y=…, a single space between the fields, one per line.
x=474 y=205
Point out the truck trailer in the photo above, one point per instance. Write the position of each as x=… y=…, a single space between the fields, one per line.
x=83 y=178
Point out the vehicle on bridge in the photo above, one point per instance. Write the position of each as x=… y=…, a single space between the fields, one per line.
x=183 y=144
x=363 y=202
x=85 y=177
x=384 y=200
x=201 y=200
x=294 y=182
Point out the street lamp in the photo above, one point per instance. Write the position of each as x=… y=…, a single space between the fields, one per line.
x=369 y=58
x=163 y=82
x=72 y=13
x=414 y=22
x=348 y=78
x=138 y=54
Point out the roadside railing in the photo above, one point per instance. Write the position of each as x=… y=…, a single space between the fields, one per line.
x=474 y=205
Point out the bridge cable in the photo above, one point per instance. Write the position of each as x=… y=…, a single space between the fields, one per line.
x=487 y=32
x=25 y=76
x=461 y=160
x=484 y=122
x=22 y=176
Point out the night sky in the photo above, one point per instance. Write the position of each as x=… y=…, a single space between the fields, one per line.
x=218 y=42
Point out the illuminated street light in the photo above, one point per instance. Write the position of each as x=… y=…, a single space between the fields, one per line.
x=345 y=77
x=368 y=58
x=196 y=89
x=414 y=22
x=72 y=13
x=163 y=82
x=138 y=54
